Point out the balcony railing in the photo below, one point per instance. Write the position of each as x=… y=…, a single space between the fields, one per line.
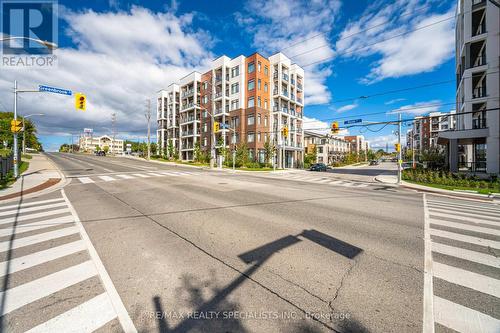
x=479 y=123
x=285 y=77
x=480 y=60
x=187 y=106
x=218 y=78
x=479 y=92
x=292 y=81
x=299 y=100
x=218 y=94
x=275 y=92
x=481 y=29
x=299 y=85
x=188 y=93
x=275 y=75
x=187 y=120
x=284 y=93
x=478 y=166
x=292 y=96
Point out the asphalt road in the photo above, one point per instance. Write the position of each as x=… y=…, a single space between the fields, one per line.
x=194 y=250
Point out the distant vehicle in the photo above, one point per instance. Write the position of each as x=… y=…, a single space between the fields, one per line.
x=318 y=167
x=374 y=162
x=408 y=165
x=100 y=153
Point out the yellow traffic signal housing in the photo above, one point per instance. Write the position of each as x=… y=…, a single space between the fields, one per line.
x=284 y=131
x=16 y=126
x=335 y=127
x=80 y=101
x=216 y=126
x=397 y=146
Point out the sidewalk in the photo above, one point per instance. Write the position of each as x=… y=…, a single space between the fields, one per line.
x=41 y=175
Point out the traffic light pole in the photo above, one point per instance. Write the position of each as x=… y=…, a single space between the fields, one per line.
x=400 y=156
x=16 y=152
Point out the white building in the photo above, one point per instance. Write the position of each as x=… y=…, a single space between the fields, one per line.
x=329 y=148
x=474 y=145
x=89 y=143
x=167 y=115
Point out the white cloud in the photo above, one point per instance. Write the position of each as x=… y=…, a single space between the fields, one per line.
x=380 y=142
x=417 y=48
x=320 y=126
x=392 y=101
x=347 y=107
x=295 y=27
x=121 y=59
x=419 y=108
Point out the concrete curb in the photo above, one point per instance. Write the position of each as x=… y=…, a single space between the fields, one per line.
x=429 y=189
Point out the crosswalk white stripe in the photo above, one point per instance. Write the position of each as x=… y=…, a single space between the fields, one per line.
x=86 y=317
x=323 y=180
x=336 y=182
x=36 y=225
x=172 y=174
x=482 y=258
x=29 y=204
x=107 y=178
x=462 y=319
x=155 y=174
x=462 y=210
x=466 y=227
x=474 y=206
x=33 y=216
x=361 y=185
x=347 y=184
x=35 y=239
x=465 y=238
x=37 y=258
x=467 y=279
x=32 y=209
x=85 y=180
x=140 y=175
x=456 y=216
x=24 y=294
x=125 y=176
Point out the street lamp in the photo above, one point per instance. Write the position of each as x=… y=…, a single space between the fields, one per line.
x=24 y=129
x=50 y=46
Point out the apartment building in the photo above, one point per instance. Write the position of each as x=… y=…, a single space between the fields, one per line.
x=329 y=149
x=473 y=145
x=89 y=143
x=253 y=98
x=167 y=115
x=358 y=143
x=425 y=130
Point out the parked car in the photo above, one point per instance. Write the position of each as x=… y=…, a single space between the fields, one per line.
x=100 y=153
x=374 y=162
x=318 y=167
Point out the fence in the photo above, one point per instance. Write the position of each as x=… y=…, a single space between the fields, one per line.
x=7 y=164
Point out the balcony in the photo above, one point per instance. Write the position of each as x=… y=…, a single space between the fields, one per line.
x=299 y=100
x=284 y=109
x=275 y=75
x=275 y=92
x=187 y=106
x=479 y=92
x=292 y=81
x=479 y=123
x=292 y=97
x=187 y=120
x=479 y=61
x=218 y=94
x=299 y=85
x=284 y=93
x=218 y=79
x=285 y=77
x=188 y=93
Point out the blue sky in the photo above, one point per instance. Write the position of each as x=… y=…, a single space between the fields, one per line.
x=120 y=52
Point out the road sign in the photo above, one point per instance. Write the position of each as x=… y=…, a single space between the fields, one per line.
x=54 y=90
x=88 y=130
x=352 y=121
x=224 y=126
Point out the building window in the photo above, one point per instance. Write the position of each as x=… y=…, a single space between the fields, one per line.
x=235 y=104
x=235 y=87
x=235 y=121
x=259 y=84
x=259 y=103
x=205 y=99
x=235 y=71
x=258 y=137
x=205 y=114
x=265 y=119
x=259 y=118
x=205 y=142
x=251 y=84
x=251 y=67
x=251 y=102
x=205 y=85
x=250 y=119
x=250 y=137
x=320 y=150
x=265 y=104
x=266 y=70
x=205 y=127
x=259 y=66
x=265 y=87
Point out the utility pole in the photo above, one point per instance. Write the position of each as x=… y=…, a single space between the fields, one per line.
x=400 y=158
x=148 y=118
x=413 y=148
x=113 y=121
x=16 y=152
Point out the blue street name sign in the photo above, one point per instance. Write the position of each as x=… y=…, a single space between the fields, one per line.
x=55 y=90
x=353 y=121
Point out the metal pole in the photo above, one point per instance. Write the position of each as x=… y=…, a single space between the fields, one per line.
x=212 y=153
x=16 y=157
x=413 y=148
x=400 y=150
x=148 y=117
x=234 y=150
x=24 y=138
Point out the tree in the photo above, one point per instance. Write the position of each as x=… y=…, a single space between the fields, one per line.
x=170 y=148
x=97 y=148
x=310 y=157
x=106 y=149
x=268 y=150
x=154 y=148
x=6 y=134
x=435 y=158
x=242 y=154
x=197 y=152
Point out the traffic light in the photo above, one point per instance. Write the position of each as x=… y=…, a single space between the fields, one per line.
x=16 y=126
x=80 y=101
x=335 y=127
x=216 y=126
x=284 y=131
x=397 y=146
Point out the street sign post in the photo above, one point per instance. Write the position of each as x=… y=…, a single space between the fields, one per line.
x=54 y=90
x=352 y=121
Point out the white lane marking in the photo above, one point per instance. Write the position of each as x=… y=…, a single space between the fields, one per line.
x=32 y=209
x=466 y=227
x=462 y=319
x=24 y=294
x=35 y=239
x=29 y=204
x=107 y=178
x=465 y=238
x=36 y=225
x=462 y=210
x=86 y=317
x=173 y=174
x=456 y=216
x=347 y=184
x=155 y=174
x=323 y=180
x=336 y=182
x=362 y=185
x=33 y=216
x=428 y=324
x=40 y=257
x=125 y=176
x=123 y=317
x=467 y=279
x=479 y=257
x=462 y=205
x=140 y=175
x=85 y=180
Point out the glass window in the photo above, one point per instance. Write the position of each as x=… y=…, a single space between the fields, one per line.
x=265 y=105
x=258 y=137
x=266 y=70
x=265 y=119
x=258 y=66
x=235 y=87
x=259 y=118
x=251 y=102
x=251 y=67
x=259 y=84
x=251 y=137
x=251 y=84
x=235 y=104
x=265 y=87
x=250 y=119
x=259 y=103
x=235 y=71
